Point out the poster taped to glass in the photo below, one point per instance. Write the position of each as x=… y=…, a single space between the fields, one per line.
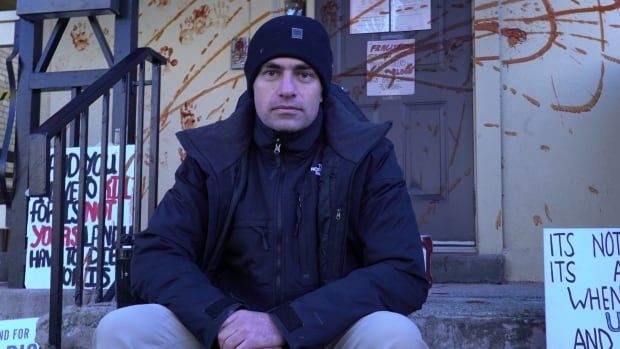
x=370 y=16
x=390 y=67
x=378 y=16
x=406 y=15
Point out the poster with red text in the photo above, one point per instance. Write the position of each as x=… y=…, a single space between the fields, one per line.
x=39 y=226
x=390 y=67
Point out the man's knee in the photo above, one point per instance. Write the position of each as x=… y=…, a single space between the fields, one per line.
x=385 y=329
x=123 y=319
x=127 y=325
x=394 y=324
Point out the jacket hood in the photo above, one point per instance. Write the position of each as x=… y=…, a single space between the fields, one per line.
x=348 y=130
x=220 y=145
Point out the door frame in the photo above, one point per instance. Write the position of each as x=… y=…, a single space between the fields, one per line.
x=488 y=130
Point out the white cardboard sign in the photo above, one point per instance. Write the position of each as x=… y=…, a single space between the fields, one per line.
x=39 y=229
x=18 y=334
x=582 y=287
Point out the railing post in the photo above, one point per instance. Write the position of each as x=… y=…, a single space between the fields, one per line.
x=154 y=146
x=81 y=224
x=123 y=253
x=139 y=153
x=126 y=40
x=38 y=158
x=105 y=118
x=58 y=226
x=27 y=108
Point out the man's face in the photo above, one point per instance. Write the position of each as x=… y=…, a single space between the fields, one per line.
x=287 y=94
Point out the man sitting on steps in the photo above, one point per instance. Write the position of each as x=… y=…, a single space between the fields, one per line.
x=289 y=224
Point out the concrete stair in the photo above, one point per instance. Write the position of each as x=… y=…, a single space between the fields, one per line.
x=483 y=316
x=455 y=315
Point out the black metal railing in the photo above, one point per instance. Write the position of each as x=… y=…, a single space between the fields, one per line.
x=73 y=121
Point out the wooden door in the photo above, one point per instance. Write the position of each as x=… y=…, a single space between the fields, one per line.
x=433 y=128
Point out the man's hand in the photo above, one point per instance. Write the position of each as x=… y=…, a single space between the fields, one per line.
x=249 y=329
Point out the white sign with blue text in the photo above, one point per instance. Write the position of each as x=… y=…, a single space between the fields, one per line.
x=18 y=334
x=582 y=287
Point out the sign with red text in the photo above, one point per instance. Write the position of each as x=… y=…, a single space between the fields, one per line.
x=582 y=287
x=19 y=334
x=39 y=228
x=390 y=67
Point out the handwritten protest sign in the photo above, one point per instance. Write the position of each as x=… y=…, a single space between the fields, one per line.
x=582 y=288
x=39 y=228
x=390 y=67
x=18 y=334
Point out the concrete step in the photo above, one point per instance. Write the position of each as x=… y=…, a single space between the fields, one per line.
x=483 y=316
x=455 y=315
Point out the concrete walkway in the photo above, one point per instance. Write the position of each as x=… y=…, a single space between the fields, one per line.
x=455 y=315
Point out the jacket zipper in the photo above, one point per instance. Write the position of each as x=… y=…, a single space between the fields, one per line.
x=299 y=211
x=345 y=228
x=276 y=152
x=278 y=212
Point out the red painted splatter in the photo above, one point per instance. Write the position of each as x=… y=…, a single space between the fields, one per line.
x=514 y=36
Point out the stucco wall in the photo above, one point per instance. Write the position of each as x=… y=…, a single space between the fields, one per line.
x=559 y=72
x=546 y=76
x=198 y=85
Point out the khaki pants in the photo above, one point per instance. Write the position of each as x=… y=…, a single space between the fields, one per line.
x=154 y=326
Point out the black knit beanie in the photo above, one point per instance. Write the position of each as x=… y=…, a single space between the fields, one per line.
x=290 y=36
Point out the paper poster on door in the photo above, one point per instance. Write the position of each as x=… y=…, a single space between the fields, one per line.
x=408 y=15
x=390 y=67
x=370 y=16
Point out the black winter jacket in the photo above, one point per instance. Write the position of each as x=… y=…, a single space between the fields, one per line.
x=370 y=255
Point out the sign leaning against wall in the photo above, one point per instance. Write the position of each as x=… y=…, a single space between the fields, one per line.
x=39 y=228
x=582 y=287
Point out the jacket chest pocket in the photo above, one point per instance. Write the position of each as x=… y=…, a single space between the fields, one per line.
x=307 y=250
x=248 y=249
